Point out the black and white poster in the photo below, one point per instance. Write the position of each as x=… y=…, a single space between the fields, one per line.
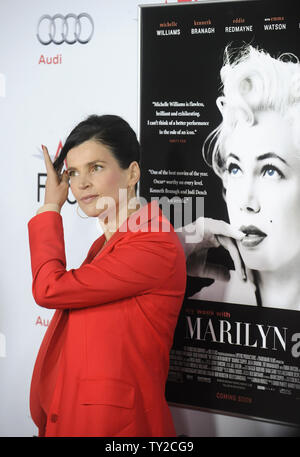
x=220 y=138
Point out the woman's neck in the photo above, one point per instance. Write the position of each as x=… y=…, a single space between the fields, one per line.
x=280 y=288
x=112 y=222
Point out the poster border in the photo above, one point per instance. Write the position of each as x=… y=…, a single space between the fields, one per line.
x=232 y=414
x=139 y=83
x=190 y=2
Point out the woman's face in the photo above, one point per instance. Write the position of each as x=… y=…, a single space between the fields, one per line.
x=262 y=181
x=93 y=170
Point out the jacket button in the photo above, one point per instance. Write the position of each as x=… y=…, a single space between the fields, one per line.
x=53 y=418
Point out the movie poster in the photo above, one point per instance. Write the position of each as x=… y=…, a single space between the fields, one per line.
x=220 y=137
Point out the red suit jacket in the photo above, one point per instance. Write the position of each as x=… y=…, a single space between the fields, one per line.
x=102 y=366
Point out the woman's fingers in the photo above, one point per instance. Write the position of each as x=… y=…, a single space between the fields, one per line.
x=49 y=165
x=206 y=230
x=231 y=247
x=215 y=233
x=48 y=161
x=57 y=184
x=218 y=227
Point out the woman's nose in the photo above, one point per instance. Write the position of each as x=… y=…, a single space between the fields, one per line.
x=249 y=201
x=83 y=181
x=251 y=207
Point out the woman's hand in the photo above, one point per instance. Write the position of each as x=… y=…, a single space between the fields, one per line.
x=57 y=184
x=211 y=233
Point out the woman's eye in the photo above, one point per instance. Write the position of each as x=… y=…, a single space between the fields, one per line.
x=97 y=167
x=73 y=173
x=234 y=169
x=270 y=171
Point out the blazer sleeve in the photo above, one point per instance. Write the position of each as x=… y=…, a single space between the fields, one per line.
x=138 y=263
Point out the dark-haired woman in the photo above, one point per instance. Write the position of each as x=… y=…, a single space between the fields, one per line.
x=103 y=363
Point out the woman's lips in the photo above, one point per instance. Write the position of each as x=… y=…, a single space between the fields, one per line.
x=253 y=236
x=89 y=198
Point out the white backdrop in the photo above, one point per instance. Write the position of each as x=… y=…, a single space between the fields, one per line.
x=39 y=104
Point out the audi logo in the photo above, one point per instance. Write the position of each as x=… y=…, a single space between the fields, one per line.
x=68 y=29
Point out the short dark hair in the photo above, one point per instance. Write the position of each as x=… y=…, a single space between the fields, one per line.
x=109 y=130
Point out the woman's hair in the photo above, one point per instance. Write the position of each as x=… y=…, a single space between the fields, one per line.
x=109 y=130
x=253 y=81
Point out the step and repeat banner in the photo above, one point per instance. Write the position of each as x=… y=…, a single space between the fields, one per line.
x=60 y=61
x=219 y=129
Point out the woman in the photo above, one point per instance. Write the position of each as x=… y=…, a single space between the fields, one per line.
x=256 y=153
x=103 y=363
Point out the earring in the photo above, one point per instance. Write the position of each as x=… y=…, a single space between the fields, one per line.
x=131 y=191
x=82 y=217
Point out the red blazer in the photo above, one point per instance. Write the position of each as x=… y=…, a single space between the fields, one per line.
x=102 y=366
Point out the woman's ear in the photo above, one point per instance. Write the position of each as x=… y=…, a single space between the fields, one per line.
x=134 y=173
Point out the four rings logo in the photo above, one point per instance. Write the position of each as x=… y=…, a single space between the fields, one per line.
x=68 y=29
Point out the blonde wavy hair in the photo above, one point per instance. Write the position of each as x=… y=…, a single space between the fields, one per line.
x=253 y=81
